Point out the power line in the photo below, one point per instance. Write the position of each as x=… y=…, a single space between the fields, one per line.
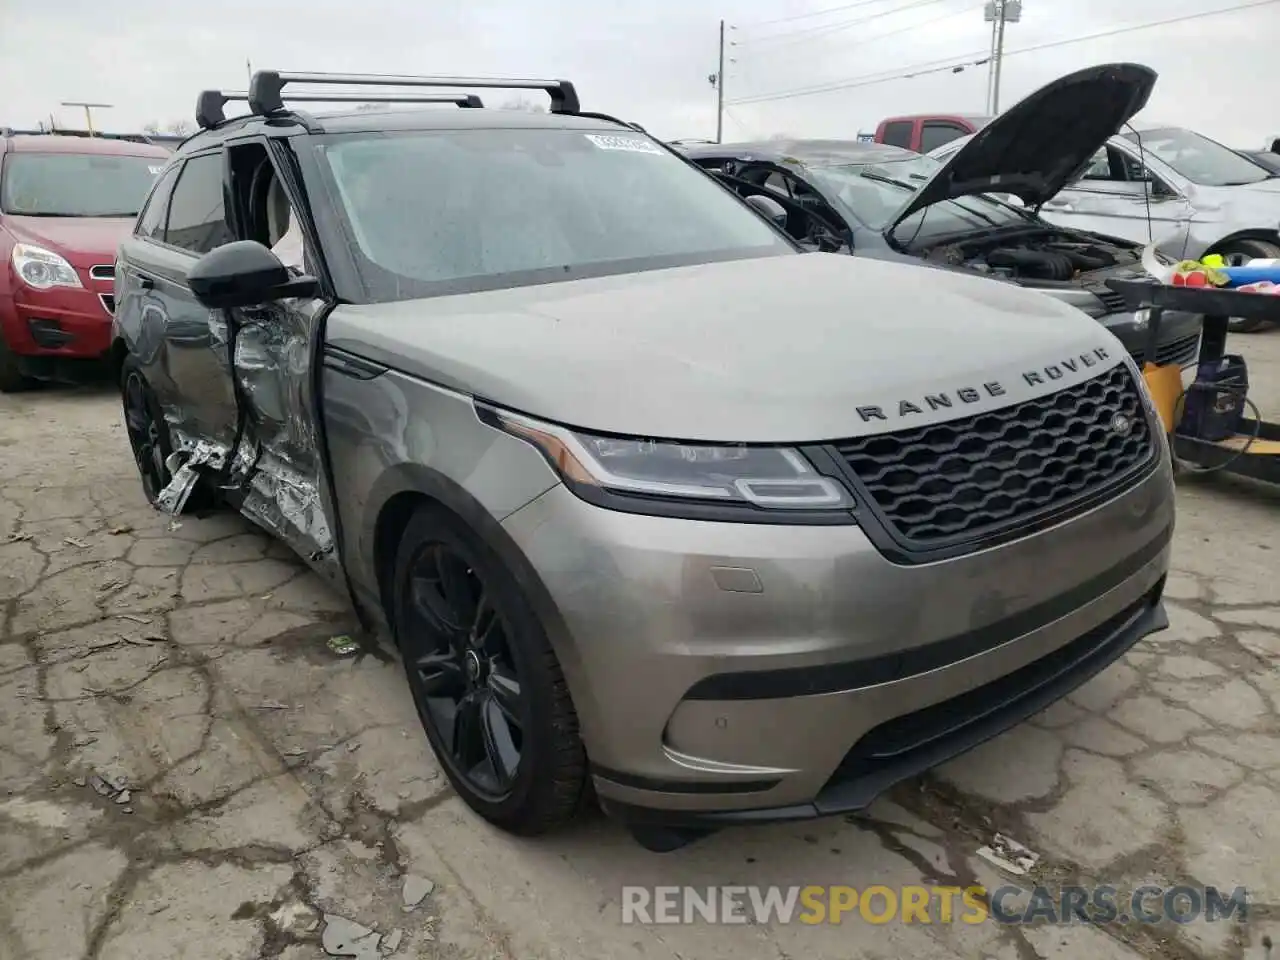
x=827 y=28
x=814 y=13
x=908 y=28
x=893 y=33
x=919 y=70
x=938 y=66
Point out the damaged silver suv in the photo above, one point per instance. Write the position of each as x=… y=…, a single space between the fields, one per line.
x=654 y=506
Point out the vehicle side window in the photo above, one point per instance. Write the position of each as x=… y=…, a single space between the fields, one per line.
x=197 y=219
x=1099 y=168
x=151 y=221
x=935 y=134
x=779 y=184
x=898 y=133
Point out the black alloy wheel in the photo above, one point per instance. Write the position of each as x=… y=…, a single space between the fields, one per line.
x=485 y=681
x=148 y=436
x=463 y=676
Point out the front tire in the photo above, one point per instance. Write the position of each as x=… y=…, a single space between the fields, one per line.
x=12 y=379
x=486 y=684
x=1244 y=251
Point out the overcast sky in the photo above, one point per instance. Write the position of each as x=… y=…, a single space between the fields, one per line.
x=646 y=61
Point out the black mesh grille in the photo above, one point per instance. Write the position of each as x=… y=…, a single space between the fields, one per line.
x=1182 y=351
x=978 y=476
x=1114 y=302
x=108 y=302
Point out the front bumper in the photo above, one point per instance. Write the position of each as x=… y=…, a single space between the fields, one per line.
x=58 y=323
x=739 y=672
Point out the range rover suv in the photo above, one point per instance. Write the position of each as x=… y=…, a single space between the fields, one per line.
x=646 y=498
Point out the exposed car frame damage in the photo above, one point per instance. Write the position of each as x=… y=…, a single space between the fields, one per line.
x=270 y=472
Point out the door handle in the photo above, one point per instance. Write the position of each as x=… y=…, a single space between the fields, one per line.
x=145 y=282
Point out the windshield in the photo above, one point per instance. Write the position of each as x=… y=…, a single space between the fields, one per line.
x=873 y=192
x=76 y=184
x=459 y=210
x=1199 y=159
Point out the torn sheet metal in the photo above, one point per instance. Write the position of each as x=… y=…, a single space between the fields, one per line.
x=283 y=493
x=185 y=469
x=284 y=501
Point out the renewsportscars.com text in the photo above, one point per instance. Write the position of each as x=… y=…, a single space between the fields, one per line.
x=930 y=905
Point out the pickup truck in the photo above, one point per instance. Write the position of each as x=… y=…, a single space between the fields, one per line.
x=923 y=132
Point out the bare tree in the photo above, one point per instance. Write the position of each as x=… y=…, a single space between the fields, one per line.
x=177 y=128
x=521 y=103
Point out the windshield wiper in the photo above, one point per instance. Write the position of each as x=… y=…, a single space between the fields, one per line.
x=889 y=180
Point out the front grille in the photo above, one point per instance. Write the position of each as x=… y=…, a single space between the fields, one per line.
x=1114 y=302
x=1182 y=351
x=103 y=271
x=108 y=302
x=979 y=476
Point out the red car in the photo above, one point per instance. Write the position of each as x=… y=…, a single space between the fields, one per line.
x=65 y=205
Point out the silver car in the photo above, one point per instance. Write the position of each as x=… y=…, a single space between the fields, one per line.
x=1190 y=194
x=646 y=499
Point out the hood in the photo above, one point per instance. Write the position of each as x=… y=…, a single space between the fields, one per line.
x=83 y=241
x=1033 y=149
x=785 y=349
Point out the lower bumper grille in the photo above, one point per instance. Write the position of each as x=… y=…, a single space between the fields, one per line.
x=1182 y=351
x=980 y=476
x=911 y=741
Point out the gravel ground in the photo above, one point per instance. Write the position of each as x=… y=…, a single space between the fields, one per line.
x=187 y=770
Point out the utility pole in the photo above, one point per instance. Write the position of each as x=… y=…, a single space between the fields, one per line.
x=88 y=110
x=991 y=58
x=998 y=13
x=720 y=89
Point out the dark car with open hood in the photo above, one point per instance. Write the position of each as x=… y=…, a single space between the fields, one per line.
x=885 y=202
x=65 y=204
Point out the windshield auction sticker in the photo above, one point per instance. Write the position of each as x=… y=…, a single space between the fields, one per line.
x=630 y=144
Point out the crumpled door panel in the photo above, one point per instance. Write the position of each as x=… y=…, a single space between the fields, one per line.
x=275 y=471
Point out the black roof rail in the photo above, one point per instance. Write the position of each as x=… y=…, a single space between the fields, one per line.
x=266 y=86
x=209 y=104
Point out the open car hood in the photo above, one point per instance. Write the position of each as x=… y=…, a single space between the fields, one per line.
x=1034 y=149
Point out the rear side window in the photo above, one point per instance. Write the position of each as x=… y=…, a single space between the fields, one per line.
x=197 y=219
x=898 y=133
x=934 y=135
x=151 y=223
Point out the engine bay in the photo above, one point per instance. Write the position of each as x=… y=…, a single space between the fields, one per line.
x=1048 y=256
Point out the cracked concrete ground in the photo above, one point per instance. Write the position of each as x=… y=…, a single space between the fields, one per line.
x=188 y=771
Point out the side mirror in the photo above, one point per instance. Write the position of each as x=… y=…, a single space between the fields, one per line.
x=244 y=273
x=769 y=207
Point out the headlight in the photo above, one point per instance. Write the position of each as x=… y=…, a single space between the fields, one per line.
x=42 y=269
x=749 y=478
